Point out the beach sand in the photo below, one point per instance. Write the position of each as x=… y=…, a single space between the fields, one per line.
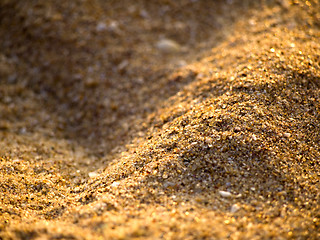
x=159 y=119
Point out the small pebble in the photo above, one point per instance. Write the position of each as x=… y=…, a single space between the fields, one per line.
x=114 y=27
x=93 y=174
x=181 y=63
x=168 y=46
x=234 y=208
x=287 y=135
x=225 y=194
x=123 y=65
x=115 y=184
x=91 y=82
x=168 y=184
x=165 y=175
x=101 y=26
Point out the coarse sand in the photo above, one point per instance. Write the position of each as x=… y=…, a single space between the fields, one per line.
x=159 y=119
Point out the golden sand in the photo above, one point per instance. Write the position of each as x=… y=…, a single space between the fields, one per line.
x=105 y=135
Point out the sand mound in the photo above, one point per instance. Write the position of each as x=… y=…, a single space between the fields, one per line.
x=111 y=132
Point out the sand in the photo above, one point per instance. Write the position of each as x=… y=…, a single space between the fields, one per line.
x=159 y=120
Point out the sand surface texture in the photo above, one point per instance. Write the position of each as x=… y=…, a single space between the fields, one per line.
x=159 y=119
